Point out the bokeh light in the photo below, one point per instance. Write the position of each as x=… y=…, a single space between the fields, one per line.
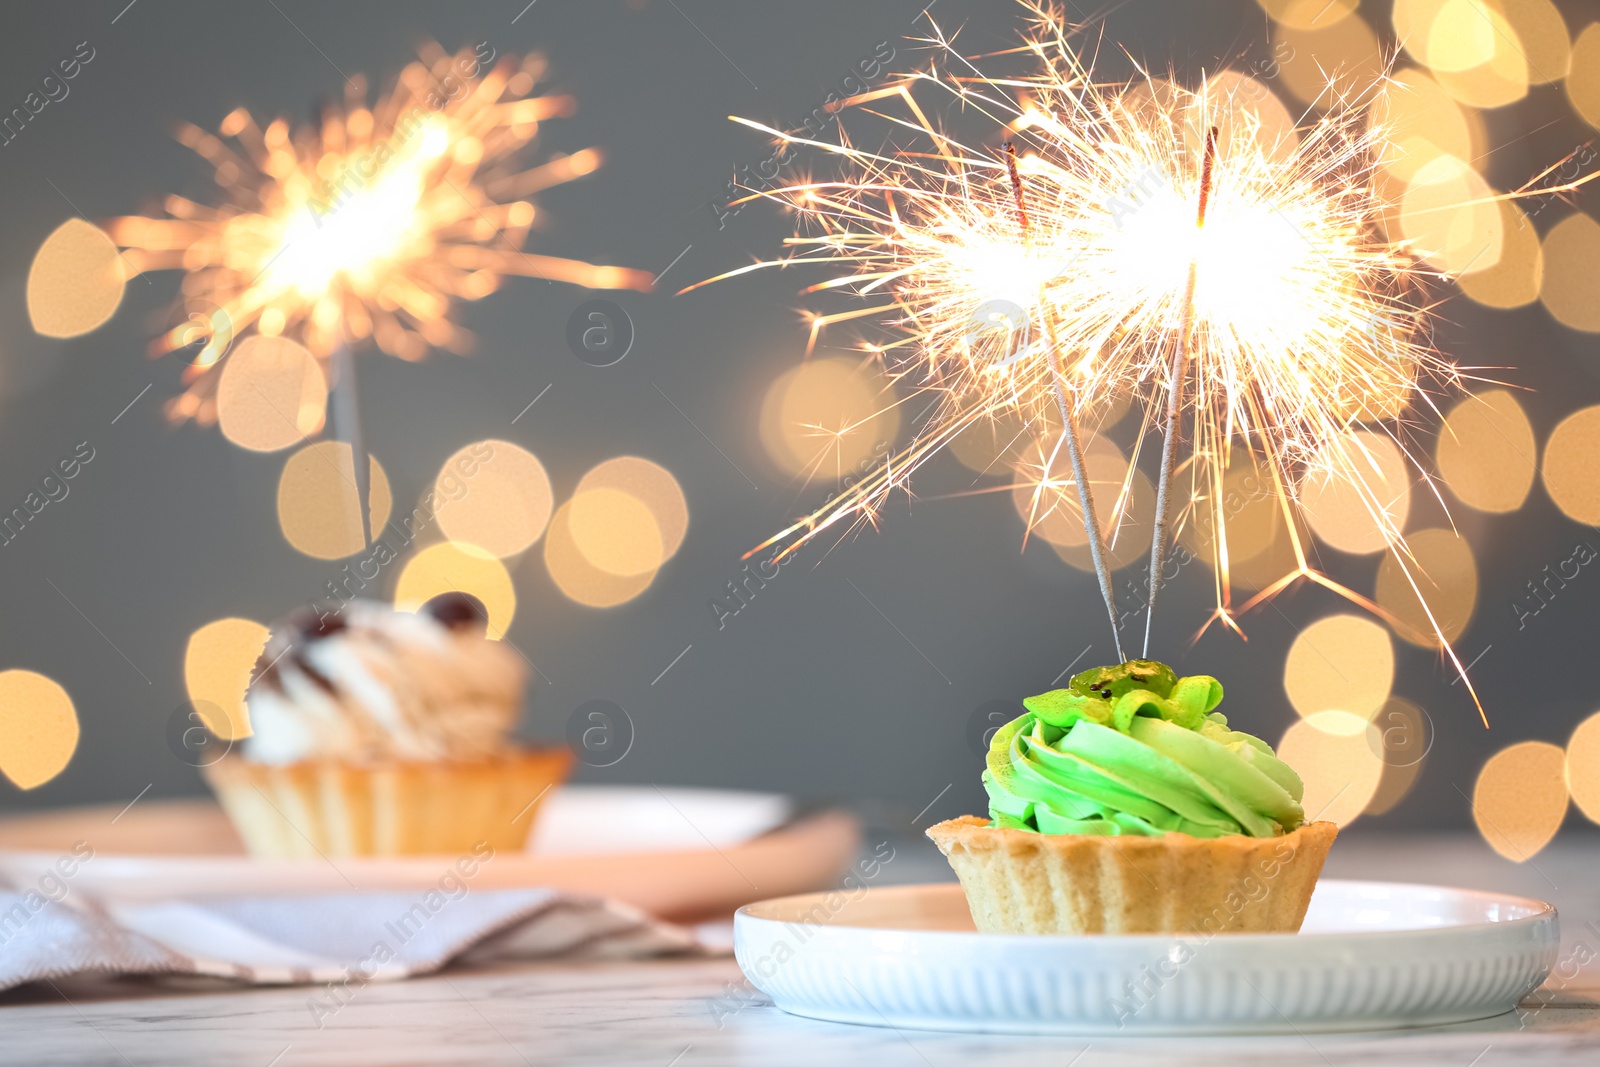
x=1338 y=757
x=1443 y=567
x=991 y=446
x=1358 y=474
x=996 y=444
x=1571 y=466
x=615 y=531
x=1239 y=106
x=271 y=394
x=495 y=495
x=1476 y=49
x=38 y=728
x=1340 y=663
x=1047 y=500
x=1513 y=280
x=1583 y=83
x=1486 y=452
x=1449 y=216
x=1583 y=767
x=826 y=417
x=1319 y=65
x=451 y=567
x=1413 y=26
x=1477 y=55
x=217 y=664
x=579 y=579
x=1308 y=14
x=1252 y=519
x=1520 y=798
x=1542 y=35
x=653 y=486
x=317 y=508
x=76 y=280
x=1571 y=266
x=1424 y=123
x=1260 y=543
x=1404 y=735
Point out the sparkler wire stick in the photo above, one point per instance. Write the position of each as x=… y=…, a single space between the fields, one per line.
x=1177 y=373
x=347 y=424
x=1069 y=422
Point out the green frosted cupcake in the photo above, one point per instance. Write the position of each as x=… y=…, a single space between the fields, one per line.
x=1125 y=803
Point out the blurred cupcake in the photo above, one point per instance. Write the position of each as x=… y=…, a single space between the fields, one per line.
x=380 y=732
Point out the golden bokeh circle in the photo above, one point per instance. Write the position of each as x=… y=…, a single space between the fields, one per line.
x=1569 y=288
x=828 y=417
x=652 y=485
x=217 y=664
x=317 y=503
x=1308 y=14
x=1513 y=280
x=1241 y=108
x=580 y=580
x=1341 y=59
x=1413 y=26
x=1486 y=452
x=1260 y=542
x=1405 y=734
x=1583 y=82
x=1048 y=503
x=1443 y=568
x=1481 y=59
x=1358 y=494
x=1275 y=563
x=990 y=446
x=1571 y=466
x=1151 y=97
x=493 y=494
x=76 y=280
x=1583 y=767
x=1460 y=37
x=271 y=394
x=1541 y=33
x=1340 y=663
x=994 y=444
x=1520 y=798
x=1337 y=756
x=452 y=567
x=1422 y=122
x=1251 y=515
x=1475 y=47
x=1449 y=216
x=616 y=532
x=38 y=728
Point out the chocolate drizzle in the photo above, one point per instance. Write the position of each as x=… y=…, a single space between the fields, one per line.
x=290 y=640
x=458 y=611
x=293 y=638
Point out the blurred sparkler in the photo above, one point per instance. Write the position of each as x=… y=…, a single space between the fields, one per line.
x=367 y=225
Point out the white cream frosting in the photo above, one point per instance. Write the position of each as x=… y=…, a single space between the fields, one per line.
x=387 y=685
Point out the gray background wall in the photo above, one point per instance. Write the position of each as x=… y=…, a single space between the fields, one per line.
x=808 y=690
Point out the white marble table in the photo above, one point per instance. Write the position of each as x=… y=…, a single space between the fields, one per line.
x=680 y=1013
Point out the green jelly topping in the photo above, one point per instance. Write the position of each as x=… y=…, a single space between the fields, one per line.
x=1134 y=749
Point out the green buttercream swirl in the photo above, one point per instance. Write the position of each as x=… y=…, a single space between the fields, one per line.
x=1134 y=749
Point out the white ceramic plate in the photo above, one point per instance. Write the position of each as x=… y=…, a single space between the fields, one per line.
x=1371 y=955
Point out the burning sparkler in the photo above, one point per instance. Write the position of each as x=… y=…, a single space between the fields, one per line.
x=1170 y=239
x=367 y=226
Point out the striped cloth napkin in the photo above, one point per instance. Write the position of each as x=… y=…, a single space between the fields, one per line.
x=346 y=939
